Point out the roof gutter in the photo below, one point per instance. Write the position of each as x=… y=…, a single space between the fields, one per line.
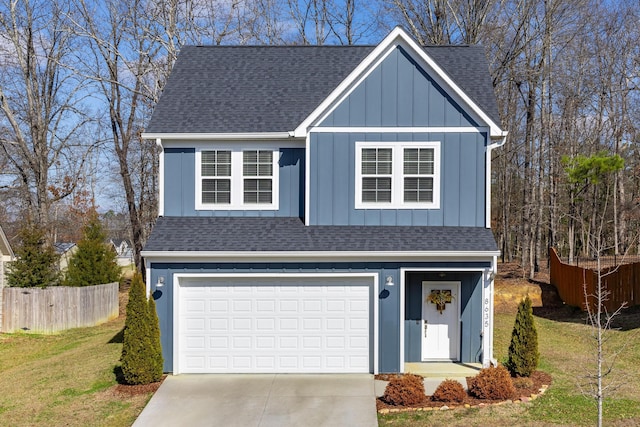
x=219 y=136
x=244 y=256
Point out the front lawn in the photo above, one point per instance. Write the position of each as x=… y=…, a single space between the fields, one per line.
x=65 y=379
x=566 y=353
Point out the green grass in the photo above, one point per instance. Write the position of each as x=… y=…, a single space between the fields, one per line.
x=64 y=379
x=567 y=353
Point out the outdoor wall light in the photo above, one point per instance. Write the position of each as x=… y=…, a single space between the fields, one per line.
x=390 y=281
x=491 y=275
x=160 y=282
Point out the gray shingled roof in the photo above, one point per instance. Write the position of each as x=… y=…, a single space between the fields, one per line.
x=255 y=234
x=235 y=89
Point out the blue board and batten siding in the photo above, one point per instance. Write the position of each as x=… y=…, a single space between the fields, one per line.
x=462 y=181
x=398 y=92
x=180 y=179
x=388 y=300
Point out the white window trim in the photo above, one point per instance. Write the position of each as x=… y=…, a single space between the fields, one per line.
x=237 y=179
x=397 y=181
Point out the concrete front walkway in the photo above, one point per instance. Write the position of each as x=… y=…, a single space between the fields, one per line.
x=262 y=400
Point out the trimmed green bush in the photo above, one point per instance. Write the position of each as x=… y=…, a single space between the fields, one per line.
x=94 y=262
x=36 y=263
x=139 y=359
x=523 y=350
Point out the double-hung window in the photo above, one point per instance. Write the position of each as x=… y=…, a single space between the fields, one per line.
x=397 y=175
x=232 y=178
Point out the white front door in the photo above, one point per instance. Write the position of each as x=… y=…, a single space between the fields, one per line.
x=440 y=321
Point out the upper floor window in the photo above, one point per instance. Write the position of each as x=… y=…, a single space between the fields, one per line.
x=397 y=175
x=229 y=179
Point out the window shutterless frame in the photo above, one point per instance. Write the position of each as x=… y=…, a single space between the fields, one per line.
x=233 y=178
x=410 y=180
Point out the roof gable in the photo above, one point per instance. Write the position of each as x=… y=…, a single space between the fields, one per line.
x=478 y=99
x=398 y=92
x=288 y=89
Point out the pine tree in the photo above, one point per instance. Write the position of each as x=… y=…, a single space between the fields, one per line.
x=523 y=350
x=36 y=263
x=94 y=262
x=139 y=352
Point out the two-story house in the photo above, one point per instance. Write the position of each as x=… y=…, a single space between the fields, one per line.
x=324 y=208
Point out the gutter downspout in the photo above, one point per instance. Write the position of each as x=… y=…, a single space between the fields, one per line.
x=499 y=143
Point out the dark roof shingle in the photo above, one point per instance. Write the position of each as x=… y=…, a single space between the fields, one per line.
x=255 y=234
x=238 y=89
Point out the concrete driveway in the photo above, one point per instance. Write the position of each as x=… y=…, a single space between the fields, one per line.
x=262 y=400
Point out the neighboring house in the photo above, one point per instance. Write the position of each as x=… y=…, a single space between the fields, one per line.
x=6 y=256
x=65 y=251
x=124 y=252
x=324 y=208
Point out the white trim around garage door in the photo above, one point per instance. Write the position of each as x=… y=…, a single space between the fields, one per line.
x=178 y=277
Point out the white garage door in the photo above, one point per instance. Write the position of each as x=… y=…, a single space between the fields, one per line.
x=239 y=325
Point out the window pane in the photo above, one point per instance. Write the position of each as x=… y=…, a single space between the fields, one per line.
x=258 y=163
x=216 y=163
x=217 y=191
x=418 y=161
x=377 y=161
x=376 y=189
x=258 y=191
x=418 y=190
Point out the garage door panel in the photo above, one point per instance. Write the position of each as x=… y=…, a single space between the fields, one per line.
x=274 y=325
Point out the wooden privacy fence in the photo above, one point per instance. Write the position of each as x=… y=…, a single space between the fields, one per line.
x=57 y=308
x=622 y=282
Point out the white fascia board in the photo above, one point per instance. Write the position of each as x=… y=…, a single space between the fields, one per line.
x=218 y=136
x=397 y=37
x=316 y=256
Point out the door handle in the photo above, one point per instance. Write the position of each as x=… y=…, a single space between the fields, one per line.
x=425 y=328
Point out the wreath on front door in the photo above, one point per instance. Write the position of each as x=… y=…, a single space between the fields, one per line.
x=440 y=298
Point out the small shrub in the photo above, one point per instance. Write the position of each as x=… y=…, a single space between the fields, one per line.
x=449 y=391
x=523 y=350
x=405 y=390
x=492 y=384
x=522 y=383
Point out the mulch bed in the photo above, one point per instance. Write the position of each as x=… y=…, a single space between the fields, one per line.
x=539 y=380
x=134 y=390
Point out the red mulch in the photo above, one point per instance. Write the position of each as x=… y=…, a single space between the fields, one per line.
x=538 y=378
x=134 y=390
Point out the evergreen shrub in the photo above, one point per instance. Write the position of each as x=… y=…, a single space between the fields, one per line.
x=141 y=344
x=523 y=351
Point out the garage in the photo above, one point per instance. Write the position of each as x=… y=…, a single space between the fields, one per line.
x=274 y=324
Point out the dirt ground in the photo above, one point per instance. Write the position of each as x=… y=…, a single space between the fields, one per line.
x=511 y=287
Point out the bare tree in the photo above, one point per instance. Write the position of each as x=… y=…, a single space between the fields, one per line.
x=41 y=110
x=119 y=63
